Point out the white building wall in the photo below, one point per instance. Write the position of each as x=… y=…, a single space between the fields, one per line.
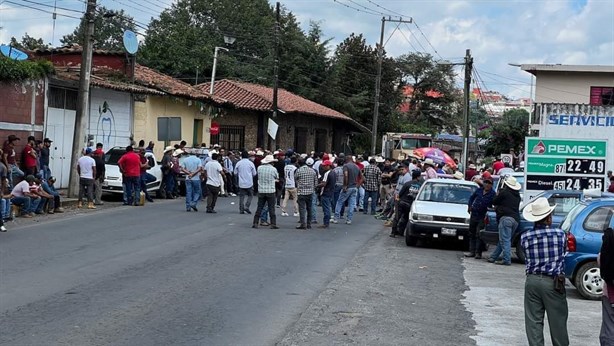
x=110 y=117
x=569 y=87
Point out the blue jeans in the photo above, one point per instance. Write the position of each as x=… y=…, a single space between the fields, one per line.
x=13 y=173
x=192 y=193
x=314 y=205
x=507 y=226
x=169 y=183
x=350 y=197
x=374 y=199
x=327 y=204
x=132 y=190
x=360 y=197
x=336 y=195
x=27 y=204
x=5 y=207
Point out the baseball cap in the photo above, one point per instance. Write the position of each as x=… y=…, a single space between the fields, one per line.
x=88 y=151
x=47 y=140
x=309 y=162
x=327 y=163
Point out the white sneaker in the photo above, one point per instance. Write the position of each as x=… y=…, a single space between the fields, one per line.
x=348 y=222
x=296 y=214
x=284 y=213
x=333 y=220
x=233 y=194
x=3 y=229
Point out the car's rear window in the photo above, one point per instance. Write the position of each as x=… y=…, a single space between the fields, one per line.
x=566 y=225
x=446 y=193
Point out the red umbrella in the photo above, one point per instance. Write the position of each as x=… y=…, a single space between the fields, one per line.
x=437 y=155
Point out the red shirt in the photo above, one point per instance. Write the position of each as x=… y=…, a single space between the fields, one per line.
x=497 y=166
x=28 y=160
x=143 y=160
x=10 y=153
x=611 y=188
x=130 y=163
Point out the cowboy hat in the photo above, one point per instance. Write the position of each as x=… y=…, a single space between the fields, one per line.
x=169 y=148
x=512 y=183
x=259 y=153
x=537 y=210
x=178 y=152
x=459 y=175
x=429 y=162
x=472 y=166
x=269 y=159
x=379 y=159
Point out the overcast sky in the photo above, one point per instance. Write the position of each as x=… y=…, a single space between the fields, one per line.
x=498 y=32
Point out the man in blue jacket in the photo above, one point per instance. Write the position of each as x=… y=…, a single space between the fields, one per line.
x=478 y=205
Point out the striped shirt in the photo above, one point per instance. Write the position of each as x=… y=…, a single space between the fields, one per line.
x=267 y=175
x=545 y=250
x=306 y=180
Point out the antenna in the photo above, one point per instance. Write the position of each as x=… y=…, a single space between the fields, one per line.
x=13 y=53
x=131 y=43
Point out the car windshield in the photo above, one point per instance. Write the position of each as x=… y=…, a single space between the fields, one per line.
x=566 y=225
x=446 y=193
x=112 y=156
x=411 y=143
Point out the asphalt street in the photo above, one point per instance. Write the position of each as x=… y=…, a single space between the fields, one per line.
x=157 y=275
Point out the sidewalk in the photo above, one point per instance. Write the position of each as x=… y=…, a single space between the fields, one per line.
x=496 y=299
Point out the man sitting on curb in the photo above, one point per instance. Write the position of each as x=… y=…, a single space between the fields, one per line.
x=55 y=206
x=21 y=196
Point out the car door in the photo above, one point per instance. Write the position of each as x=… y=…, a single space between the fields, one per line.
x=593 y=226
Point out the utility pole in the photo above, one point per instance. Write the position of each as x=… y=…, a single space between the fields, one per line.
x=275 y=69
x=81 y=120
x=378 y=80
x=468 y=71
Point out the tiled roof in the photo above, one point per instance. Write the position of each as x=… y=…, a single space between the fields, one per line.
x=153 y=79
x=260 y=98
x=72 y=74
x=74 y=48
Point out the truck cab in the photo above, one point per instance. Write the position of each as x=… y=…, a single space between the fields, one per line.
x=400 y=146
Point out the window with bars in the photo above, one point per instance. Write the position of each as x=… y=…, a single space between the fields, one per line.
x=230 y=137
x=602 y=96
x=62 y=98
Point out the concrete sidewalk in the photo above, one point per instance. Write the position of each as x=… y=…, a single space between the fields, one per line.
x=495 y=297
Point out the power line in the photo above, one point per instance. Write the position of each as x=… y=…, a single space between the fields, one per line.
x=545 y=87
x=40 y=9
x=427 y=40
x=389 y=10
x=356 y=8
x=52 y=6
x=413 y=35
x=366 y=8
x=151 y=11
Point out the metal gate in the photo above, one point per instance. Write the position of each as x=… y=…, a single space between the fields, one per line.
x=230 y=137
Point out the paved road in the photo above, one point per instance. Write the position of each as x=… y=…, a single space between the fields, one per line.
x=156 y=275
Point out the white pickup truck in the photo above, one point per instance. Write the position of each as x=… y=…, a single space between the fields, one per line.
x=113 y=178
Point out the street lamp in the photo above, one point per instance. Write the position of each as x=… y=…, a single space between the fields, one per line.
x=228 y=40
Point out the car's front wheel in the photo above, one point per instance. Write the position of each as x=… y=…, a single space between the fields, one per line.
x=588 y=281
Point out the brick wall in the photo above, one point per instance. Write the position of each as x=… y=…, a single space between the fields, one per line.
x=238 y=117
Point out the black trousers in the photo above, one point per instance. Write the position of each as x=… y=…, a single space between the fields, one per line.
x=304 y=209
x=269 y=200
x=475 y=242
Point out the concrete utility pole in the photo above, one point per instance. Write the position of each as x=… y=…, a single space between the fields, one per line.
x=378 y=80
x=468 y=71
x=275 y=70
x=82 y=118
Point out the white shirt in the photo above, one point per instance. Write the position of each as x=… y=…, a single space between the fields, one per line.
x=289 y=174
x=214 y=173
x=86 y=165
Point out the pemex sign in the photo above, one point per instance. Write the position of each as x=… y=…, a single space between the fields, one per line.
x=564 y=164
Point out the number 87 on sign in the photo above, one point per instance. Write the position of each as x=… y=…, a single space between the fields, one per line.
x=560 y=168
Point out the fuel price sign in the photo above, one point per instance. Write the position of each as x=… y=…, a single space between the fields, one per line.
x=563 y=164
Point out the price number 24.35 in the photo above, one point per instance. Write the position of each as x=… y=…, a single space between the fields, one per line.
x=579 y=183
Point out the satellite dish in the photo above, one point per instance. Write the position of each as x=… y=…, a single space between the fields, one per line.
x=13 y=53
x=131 y=43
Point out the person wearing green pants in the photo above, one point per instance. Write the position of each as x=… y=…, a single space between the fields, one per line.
x=544 y=290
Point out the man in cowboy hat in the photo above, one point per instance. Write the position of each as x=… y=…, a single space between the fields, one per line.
x=267 y=177
x=506 y=205
x=429 y=169
x=544 y=289
x=471 y=172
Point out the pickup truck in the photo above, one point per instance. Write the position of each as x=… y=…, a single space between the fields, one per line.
x=565 y=200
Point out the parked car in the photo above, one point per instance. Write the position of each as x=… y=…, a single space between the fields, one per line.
x=565 y=200
x=584 y=226
x=440 y=211
x=500 y=179
x=113 y=178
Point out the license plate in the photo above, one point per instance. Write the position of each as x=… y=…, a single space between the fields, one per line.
x=448 y=231
x=105 y=183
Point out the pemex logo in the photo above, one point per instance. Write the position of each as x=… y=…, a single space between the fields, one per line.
x=539 y=148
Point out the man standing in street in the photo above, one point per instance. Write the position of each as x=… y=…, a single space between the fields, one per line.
x=267 y=177
x=192 y=167
x=306 y=180
x=290 y=188
x=130 y=167
x=404 y=200
x=478 y=205
x=214 y=174
x=351 y=174
x=506 y=202
x=86 y=167
x=98 y=156
x=328 y=191
x=544 y=289
x=373 y=176
x=245 y=172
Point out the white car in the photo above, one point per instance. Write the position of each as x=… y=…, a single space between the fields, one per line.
x=113 y=178
x=440 y=211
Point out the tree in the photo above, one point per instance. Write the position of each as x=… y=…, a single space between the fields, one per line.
x=110 y=26
x=434 y=101
x=508 y=133
x=29 y=43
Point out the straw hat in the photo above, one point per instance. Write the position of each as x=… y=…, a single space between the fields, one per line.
x=379 y=159
x=512 y=183
x=178 y=152
x=459 y=175
x=268 y=159
x=169 y=148
x=537 y=210
x=429 y=162
x=259 y=153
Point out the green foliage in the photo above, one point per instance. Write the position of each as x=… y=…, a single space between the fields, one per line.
x=109 y=29
x=17 y=71
x=435 y=100
x=28 y=43
x=508 y=133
